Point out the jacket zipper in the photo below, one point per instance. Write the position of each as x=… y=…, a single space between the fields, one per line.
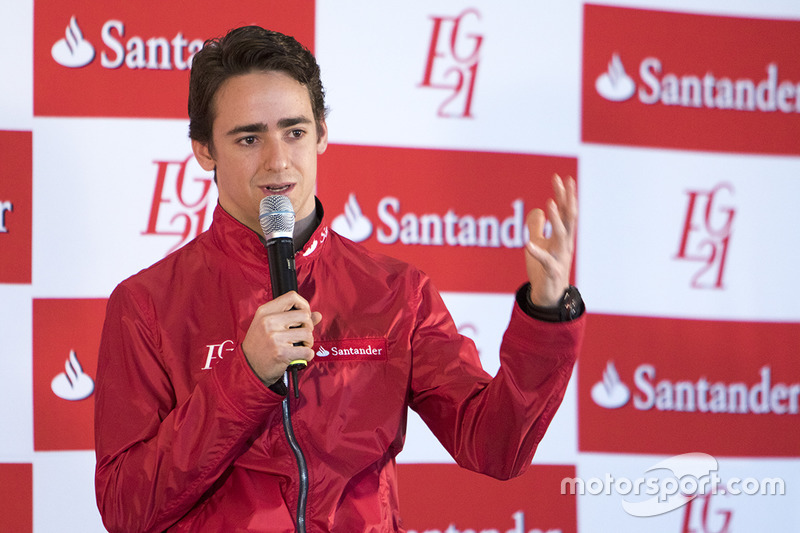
x=301 y=464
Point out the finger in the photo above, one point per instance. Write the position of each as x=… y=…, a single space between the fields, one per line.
x=566 y=199
x=288 y=301
x=570 y=207
x=300 y=302
x=557 y=223
x=276 y=326
x=295 y=338
x=544 y=258
x=535 y=222
x=293 y=343
x=297 y=319
x=559 y=190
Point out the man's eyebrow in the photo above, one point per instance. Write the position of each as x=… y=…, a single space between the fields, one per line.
x=256 y=127
x=293 y=121
x=260 y=127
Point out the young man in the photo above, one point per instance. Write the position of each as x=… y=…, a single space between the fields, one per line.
x=194 y=429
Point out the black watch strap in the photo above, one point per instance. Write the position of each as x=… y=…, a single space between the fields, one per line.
x=570 y=306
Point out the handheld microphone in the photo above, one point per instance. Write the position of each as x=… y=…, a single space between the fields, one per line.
x=276 y=217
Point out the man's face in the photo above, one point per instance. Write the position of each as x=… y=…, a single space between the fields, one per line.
x=264 y=142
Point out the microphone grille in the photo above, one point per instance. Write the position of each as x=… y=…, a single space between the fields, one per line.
x=276 y=217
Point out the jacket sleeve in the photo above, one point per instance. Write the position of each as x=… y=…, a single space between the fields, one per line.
x=490 y=425
x=156 y=456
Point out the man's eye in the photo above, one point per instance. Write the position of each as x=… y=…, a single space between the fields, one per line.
x=297 y=133
x=248 y=140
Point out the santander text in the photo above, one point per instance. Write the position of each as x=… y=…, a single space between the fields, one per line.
x=155 y=53
x=710 y=91
x=451 y=229
x=718 y=397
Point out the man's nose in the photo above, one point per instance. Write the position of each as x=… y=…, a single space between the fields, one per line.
x=276 y=155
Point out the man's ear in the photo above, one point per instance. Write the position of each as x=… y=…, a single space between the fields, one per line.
x=202 y=153
x=322 y=140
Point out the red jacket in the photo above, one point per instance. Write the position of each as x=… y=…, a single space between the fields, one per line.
x=189 y=439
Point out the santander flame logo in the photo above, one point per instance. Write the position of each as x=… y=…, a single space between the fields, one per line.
x=72 y=384
x=73 y=50
x=611 y=392
x=615 y=84
x=352 y=224
x=322 y=352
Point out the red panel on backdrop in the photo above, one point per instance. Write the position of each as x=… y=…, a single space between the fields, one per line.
x=456 y=215
x=696 y=82
x=722 y=388
x=16 y=497
x=66 y=339
x=436 y=497
x=16 y=169
x=118 y=59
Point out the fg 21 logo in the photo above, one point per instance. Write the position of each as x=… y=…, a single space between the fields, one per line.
x=706 y=234
x=182 y=199
x=452 y=62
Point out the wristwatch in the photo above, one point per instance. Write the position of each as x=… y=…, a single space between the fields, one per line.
x=569 y=307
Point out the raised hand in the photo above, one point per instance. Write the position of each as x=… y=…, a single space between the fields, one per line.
x=548 y=260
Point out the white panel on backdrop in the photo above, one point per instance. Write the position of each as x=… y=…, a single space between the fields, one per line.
x=744 y=8
x=95 y=194
x=523 y=57
x=483 y=318
x=751 y=495
x=16 y=386
x=16 y=64
x=63 y=493
x=644 y=205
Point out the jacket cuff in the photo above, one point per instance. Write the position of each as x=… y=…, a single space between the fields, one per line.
x=279 y=387
x=548 y=314
x=237 y=382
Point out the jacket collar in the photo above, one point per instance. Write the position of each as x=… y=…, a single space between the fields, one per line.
x=240 y=243
x=316 y=243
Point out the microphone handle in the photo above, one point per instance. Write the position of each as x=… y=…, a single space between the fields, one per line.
x=282 y=273
x=280 y=253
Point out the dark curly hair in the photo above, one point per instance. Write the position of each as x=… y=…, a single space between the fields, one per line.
x=243 y=50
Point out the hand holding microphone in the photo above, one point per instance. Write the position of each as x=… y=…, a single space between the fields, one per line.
x=281 y=333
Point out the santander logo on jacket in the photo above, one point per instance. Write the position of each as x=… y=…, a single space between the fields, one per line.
x=373 y=349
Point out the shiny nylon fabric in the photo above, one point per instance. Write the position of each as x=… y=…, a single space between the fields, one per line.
x=188 y=441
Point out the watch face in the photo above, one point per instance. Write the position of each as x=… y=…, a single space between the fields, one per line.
x=571 y=304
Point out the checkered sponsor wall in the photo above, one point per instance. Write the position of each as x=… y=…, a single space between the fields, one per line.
x=680 y=121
